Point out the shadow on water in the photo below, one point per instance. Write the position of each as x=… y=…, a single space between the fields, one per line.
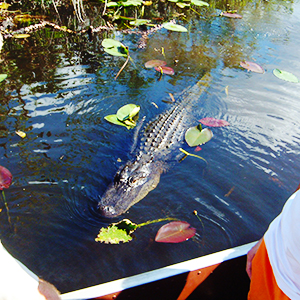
x=58 y=91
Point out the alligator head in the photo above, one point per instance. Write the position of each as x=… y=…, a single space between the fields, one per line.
x=131 y=184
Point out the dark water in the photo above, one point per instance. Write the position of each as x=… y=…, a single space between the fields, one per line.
x=60 y=87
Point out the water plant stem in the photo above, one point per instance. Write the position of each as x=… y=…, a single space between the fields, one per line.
x=156 y=221
x=7 y=209
x=190 y=154
x=122 y=68
x=196 y=214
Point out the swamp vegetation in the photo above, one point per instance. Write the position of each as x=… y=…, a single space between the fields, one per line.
x=63 y=83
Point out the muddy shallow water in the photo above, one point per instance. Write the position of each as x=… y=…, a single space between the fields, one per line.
x=59 y=89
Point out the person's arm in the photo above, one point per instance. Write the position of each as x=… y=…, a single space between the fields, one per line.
x=250 y=257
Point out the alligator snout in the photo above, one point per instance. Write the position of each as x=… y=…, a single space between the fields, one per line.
x=107 y=211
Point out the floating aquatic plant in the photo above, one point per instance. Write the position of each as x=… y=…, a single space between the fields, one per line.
x=173 y=232
x=174 y=27
x=284 y=75
x=165 y=70
x=252 y=66
x=212 y=122
x=126 y=116
x=195 y=136
x=116 y=48
x=160 y=66
x=5 y=182
x=3 y=77
x=231 y=14
x=155 y=63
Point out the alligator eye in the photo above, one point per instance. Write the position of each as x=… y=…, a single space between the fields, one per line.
x=131 y=180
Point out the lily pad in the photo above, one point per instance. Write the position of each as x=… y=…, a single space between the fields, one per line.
x=114 y=47
x=199 y=3
x=231 y=15
x=284 y=75
x=117 y=232
x=155 y=63
x=132 y=3
x=112 y=4
x=252 y=66
x=128 y=112
x=212 y=122
x=194 y=136
x=4 y=5
x=110 y=43
x=174 y=27
x=126 y=116
x=21 y=35
x=23 y=18
x=175 y=232
x=182 y=4
x=5 y=178
x=139 y=22
x=165 y=70
x=2 y=77
x=114 y=120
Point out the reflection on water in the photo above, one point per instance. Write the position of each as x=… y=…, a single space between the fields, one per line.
x=58 y=92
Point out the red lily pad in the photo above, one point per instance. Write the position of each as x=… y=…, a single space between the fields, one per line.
x=5 y=178
x=175 y=232
x=231 y=15
x=165 y=70
x=198 y=148
x=155 y=63
x=212 y=122
x=252 y=66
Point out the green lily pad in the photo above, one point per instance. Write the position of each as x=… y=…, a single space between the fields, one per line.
x=2 y=77
x=116 y=51
x=23 y=18
x=182 y=4
x=21 y=35
x=114 y=47
x=114 y=120
x=174 y=27
x=112 y=4
x=284 y=75
x=117 y=232
x=128 y=111
x=194 y=136
x=132 y=3
x=199 y=3
x=139 y=22
x=112 y=235
x=4 y=5
x=126 y=116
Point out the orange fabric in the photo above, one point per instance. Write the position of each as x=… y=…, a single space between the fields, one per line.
x=263 y=283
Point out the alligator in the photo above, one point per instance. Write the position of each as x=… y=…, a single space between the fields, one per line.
x=159 y=144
